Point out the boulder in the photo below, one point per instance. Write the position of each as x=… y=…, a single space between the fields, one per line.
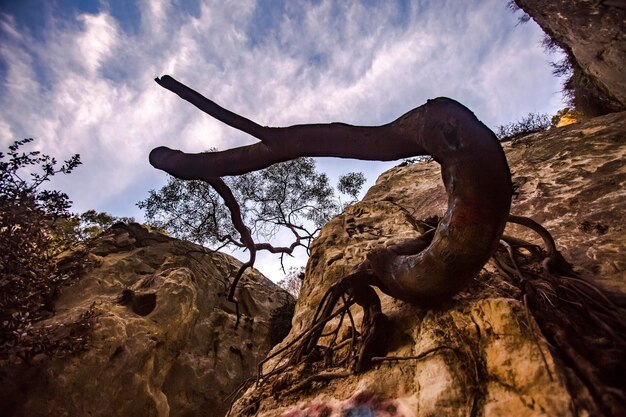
x=165 y=341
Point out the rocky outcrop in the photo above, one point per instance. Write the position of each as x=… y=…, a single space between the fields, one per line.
x=165 y=340
x=481 y=353
x=572 y=180
x=593 y=33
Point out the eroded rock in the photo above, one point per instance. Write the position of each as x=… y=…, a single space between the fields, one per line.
x=165 y=341
x=481 y=353
x=594 y=33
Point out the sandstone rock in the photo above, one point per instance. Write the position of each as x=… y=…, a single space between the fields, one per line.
x=481 y=353
x=571 y=179
x=165 y=341
x=594 y=32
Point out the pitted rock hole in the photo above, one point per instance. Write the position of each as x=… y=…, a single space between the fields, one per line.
x=141 y=304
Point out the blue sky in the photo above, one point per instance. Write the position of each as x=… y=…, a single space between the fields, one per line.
x=78 y=76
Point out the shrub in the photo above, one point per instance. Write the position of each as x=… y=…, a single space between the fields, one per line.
x=533 y=122
x=29 y=278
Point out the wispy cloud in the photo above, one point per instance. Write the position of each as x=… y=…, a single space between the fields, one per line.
x=85 y=85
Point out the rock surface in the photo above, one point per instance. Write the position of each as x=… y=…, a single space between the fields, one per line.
x=480 y=354
x=594 y=31
x=164 y=343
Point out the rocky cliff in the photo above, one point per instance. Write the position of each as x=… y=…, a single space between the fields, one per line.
x=593 y=34
x=164 y=340
x=482 y=353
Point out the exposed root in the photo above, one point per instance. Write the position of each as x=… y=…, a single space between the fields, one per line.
x=577 y=318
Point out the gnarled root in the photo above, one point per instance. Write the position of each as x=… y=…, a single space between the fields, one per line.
x=353 y=289
x=577 y=318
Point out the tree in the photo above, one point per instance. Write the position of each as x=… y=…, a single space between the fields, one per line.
x=292 y=282
x=351 y=184
x=473 y=165
x=430 y=268
x=289 y=196
x=80 y=227
x=445 y=258
x=29 y=215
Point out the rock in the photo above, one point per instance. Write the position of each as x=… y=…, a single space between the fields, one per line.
x=594 y=33
x=481 y=353
x=164 y=342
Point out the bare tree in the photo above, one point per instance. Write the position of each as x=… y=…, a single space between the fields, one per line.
x=430 y=268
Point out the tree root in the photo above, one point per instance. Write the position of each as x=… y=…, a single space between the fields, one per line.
x=577 y=319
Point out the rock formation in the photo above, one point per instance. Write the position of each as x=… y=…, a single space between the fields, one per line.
x=593 y=33
x=165 y=341
x=481 y=353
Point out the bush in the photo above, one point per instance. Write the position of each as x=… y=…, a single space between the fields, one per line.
x=533 y=122
x=29 y=278
x=81 y=227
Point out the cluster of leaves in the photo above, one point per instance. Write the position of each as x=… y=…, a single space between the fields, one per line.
x=29 y=277
x=531 y=123
x=81 y=227
x=289 y=196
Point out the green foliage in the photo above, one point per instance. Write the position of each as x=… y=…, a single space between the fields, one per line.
x=29 y=277
x=80 y=227
x=351 y=184
x=531 y=123
x=289 y=196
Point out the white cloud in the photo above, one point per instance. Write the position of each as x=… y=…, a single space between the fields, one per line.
x=87 y=86
x=98 y=40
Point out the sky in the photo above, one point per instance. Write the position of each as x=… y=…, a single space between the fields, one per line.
x=78 y=76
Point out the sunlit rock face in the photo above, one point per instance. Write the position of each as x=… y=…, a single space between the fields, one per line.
x=164 y=342
x=480 y=354
x=595 y=33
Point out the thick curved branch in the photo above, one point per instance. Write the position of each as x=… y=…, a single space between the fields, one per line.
x=210 y=107
x=381 y=143
x=474 y=171
x=235 y=214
